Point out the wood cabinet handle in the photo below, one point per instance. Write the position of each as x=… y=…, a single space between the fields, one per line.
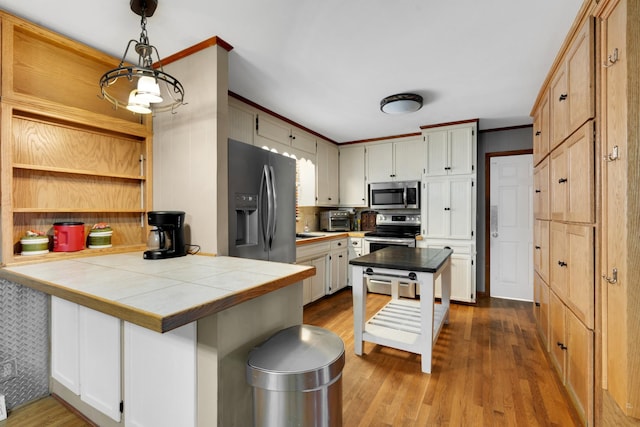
x=538 y=191
x=563 y=97
x=538 y=133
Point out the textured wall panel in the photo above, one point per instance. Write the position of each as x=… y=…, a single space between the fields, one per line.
x=24 y=343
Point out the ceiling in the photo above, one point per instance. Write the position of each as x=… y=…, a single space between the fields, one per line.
x=327 y=64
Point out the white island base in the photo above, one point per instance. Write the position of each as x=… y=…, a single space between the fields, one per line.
x=409 y=325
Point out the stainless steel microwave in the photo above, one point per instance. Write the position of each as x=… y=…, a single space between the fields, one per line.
x=394 y=195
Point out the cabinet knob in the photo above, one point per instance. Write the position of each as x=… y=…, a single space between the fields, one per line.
x=538 y=133
x=562 y=263
x=538 y=191
x=447 y=209
x=537 y=304
x=447 y=168
x=562 y=180
x=561 y=345
x=563 y=97
x=538 y=247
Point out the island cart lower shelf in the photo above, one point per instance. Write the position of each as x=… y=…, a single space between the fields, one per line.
x=405 y=324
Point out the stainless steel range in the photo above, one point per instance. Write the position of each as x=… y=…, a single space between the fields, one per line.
x=393 y=228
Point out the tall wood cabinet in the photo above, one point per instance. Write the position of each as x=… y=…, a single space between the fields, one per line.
x=66 y=154
x=565 y=213
x=619 y=270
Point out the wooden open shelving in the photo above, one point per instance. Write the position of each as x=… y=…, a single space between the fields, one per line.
x=66 y=155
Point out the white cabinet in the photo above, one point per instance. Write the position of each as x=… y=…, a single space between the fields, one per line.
x=353 y=186
x=463 y=272
x=400 y=160
x=168 y=399
x=338 y=259
x=355 y=250
x=316 y=255
x=450 y=150
x=85 y=355
x=448 y=207
x=327 y=174
x=241 y=124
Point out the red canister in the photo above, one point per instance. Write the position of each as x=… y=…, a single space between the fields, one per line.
x=68 y=236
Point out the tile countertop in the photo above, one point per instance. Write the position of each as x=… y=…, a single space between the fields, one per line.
x=157 y=294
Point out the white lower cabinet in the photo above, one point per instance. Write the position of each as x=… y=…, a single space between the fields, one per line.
x=86 y=354
x=165 y=399
x=463 y=272
x=313 y=287
x=355 y=250
x=338 y=262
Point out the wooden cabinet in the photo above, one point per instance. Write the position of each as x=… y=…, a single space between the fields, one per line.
x=338 y=264
x=619 y=268
x=572 y=88
x=67 y=155
x=541 y=248
x=450 y=151
x=541 y=130
x=85 y=355
x=400 y=160
x=327 y=174
x=541 y=209
x=541 y=308
x=353 y=186
x=572 y=178
x=449 y=206
x=571 y=349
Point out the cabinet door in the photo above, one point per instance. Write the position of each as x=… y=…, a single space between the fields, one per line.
x=338 y=271
x=306 y=174
x=461 y=153
x=541 y=249
x=460 y=208
x=541 y=190
x=380 y=162
x=327 y=174
x=580 y=64
x=100 y=354
x=558 y=185
x=541 y=123
x=579 y=188
x=436 y=200
x=541 y=310
x=241 y=124
x=318 y=282
x=353 y=188
x=559 y=107
x=437 y=152
x=65 y=344
x=408 y=159
x=303 y=141
x=581 y=273
x=160 y=376
x=557 y=334
x=579 y=368
x=558 y=262
x=273 y=131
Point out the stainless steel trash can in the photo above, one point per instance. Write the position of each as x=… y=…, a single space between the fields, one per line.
x=296 y=377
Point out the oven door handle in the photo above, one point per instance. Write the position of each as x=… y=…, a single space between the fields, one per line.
x=391 y=240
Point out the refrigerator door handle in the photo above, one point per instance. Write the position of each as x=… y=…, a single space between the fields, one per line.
x=264 y=185
x=270 y=219
x=274 y=206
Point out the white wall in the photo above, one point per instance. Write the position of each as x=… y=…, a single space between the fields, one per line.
x=189 y=149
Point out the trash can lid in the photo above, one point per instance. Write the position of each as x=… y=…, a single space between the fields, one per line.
x=297 y=358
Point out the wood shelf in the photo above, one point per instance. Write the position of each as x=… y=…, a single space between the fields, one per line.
x=78 y=210
x=77 y=172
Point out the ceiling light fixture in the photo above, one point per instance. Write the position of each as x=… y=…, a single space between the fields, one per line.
x=143 y=88
x=401 y=103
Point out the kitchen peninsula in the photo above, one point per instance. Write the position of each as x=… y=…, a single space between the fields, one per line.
x=181 y=326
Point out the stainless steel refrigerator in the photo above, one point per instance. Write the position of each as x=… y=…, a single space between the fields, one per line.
x=262 y=204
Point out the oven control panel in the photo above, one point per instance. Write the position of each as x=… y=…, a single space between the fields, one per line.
x=398 y=219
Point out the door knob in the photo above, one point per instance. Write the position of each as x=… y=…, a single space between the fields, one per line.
x=494 y=234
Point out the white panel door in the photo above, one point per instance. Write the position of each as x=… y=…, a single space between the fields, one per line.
x=436 y=200
x=100 y=361
x=511 y=227
x=65 y=354
x=461 y=153
x=380 y=162
x=436 y=147
x=460 y=208
x=408 y=159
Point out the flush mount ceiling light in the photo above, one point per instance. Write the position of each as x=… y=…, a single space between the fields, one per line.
x=143 y=88
x=401 y=103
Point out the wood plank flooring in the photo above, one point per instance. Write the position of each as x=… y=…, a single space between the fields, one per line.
x=489 y=370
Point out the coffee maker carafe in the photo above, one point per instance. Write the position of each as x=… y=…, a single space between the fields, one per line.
x=170 y=231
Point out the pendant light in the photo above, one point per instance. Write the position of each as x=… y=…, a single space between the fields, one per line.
x=143 y=88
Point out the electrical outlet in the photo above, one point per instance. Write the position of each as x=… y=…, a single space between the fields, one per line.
x=8 y=370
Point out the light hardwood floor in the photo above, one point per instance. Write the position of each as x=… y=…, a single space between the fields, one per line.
x=489 y=371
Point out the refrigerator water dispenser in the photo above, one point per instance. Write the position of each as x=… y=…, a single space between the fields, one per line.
x=246 y=208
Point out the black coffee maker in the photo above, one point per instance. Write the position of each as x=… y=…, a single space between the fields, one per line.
x=170 y=228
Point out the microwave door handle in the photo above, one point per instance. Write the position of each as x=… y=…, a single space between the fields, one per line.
x=404 y=196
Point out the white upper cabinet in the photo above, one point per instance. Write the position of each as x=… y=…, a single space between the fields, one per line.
x=399 y=160
x=241 y=124
x=353 y=186
x=450 y=151
x=327 y=174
